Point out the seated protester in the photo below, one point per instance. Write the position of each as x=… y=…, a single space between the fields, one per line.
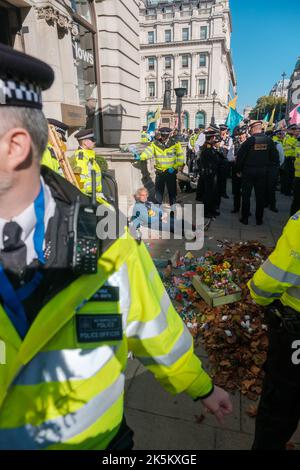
x=147 y=214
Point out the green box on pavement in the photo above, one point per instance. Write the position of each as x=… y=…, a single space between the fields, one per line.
x=215 y=299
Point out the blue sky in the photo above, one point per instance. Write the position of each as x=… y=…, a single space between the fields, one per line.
x=265 y=43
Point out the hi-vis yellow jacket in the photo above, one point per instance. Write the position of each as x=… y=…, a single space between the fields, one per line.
x=297 y=160
x=60 y=392
x=49 y=159
x=144 y=137
x=279 y=276
x=165 y=158
x=86 y=161
x=289 y=146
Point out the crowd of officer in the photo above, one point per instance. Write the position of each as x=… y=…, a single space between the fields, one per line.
x=254 y=158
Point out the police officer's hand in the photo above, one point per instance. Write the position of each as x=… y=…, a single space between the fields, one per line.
x=137 y=157
x=219 y=404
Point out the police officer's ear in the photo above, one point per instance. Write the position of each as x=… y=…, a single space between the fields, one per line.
x=16 y=145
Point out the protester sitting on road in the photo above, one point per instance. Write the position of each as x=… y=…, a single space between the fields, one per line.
x=147 y=214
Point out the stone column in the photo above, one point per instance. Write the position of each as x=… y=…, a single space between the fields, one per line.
x=193 y=74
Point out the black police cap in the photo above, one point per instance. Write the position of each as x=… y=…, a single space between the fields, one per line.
x=22 y=78
x=223 y=127
x=165 y=130
x=85 y=134
x=292 y=127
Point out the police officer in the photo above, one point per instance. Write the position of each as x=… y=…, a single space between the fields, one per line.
x=144 y=135
x=49 y=157
x=169 y=156
x=192 y=152
x=84 y=161
x=208 y=166
x=276 y=286
x=67 y=333
x=226 y=149
x=253 y=159
x=241 y=137
x=289 y=147
x=296 y=192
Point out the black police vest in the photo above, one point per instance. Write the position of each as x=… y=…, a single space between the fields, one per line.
x=258 y=155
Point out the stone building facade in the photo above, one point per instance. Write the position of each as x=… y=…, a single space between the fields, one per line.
x=294 y=89
x=93 y=47
x=188 y=44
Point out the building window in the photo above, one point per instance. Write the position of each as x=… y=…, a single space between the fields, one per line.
x=84 y=62
x=150 y=12
x=185 y=84
x=200 y=119
x=185 y=61
x=151 y=63
x=202 y=59
x=186 y=120
x=82 y=8
x=151 y=89
x=202 y=87
x=185 y=34
x=150 y=37
x=168 y=35
x=168 y=62
x=203 y=32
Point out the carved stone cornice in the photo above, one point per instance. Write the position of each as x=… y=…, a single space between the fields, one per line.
x=51 y=15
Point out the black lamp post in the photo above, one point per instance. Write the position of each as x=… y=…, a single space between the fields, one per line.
x=180 y=92
x=214 y=95
x=282 y=88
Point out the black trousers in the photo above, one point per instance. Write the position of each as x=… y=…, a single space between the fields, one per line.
x=279 y=407
x=210 y=194
x=236 y=190
x=223 y=175
x=200 y=188
x=288 y=174
x=165 y=179
x=258 y=182
x=271 y=183
x=295 y=207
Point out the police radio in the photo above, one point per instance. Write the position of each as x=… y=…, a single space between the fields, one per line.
x=83 y=243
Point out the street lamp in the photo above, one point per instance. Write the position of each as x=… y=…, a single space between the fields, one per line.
x=214 y=95
x=282 y=88
x=180 y=92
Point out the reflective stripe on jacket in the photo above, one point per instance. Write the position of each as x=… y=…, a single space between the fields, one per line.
x=279 y=276
x=297 y=161
x=171 y=157
x=86 y=161
x=289 y=145
x=58 y=391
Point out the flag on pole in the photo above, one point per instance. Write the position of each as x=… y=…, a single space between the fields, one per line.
x=266 y=118
x=153 y=121
x=295 y=115
x=271 y=121
x=232 y=103
x=233 y=119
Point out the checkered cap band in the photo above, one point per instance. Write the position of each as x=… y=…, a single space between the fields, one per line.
x=18 y=93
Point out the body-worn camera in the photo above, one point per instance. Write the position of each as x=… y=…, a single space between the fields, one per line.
x=83 y=243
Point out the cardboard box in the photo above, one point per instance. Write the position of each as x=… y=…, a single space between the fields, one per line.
x=215 y=299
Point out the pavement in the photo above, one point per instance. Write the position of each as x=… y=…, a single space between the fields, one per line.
x=165 y=422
